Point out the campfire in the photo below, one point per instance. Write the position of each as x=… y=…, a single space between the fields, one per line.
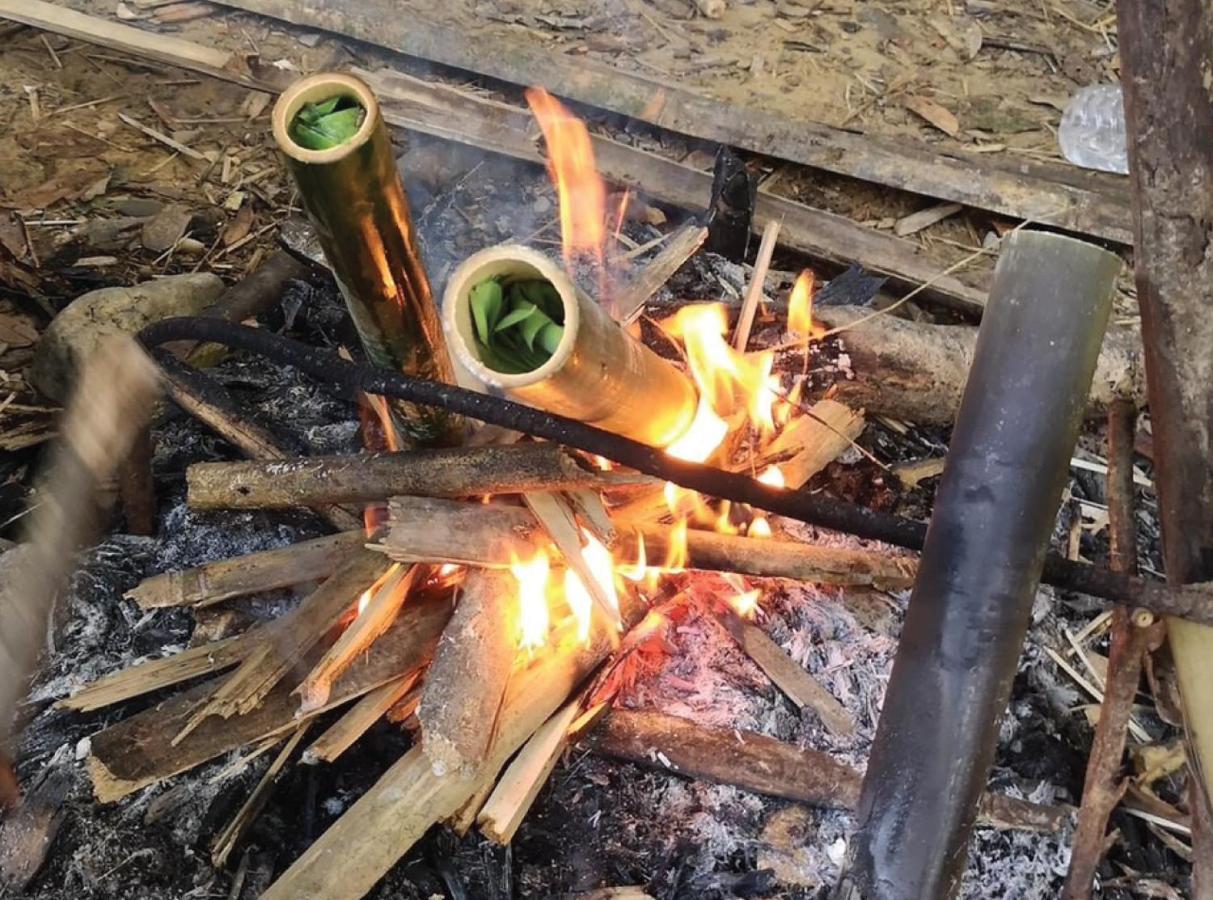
x=561 y=478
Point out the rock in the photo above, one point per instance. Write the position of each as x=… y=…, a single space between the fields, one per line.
x=76 y=331
x=163 y=232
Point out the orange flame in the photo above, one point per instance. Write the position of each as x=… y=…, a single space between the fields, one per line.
x=635 y=571
x=676 y=552
x=774 y=477
x=533 y=616
x=580 y=190
x=800 y=305
x=759 y=528
x=727 y=379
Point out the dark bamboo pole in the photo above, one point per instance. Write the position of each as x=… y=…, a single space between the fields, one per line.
x=981 y=564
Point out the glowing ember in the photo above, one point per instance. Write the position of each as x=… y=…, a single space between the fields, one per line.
x=800 y=305
x=746 y=604
x=580 y=190
x=533 y=619
x=759 y=528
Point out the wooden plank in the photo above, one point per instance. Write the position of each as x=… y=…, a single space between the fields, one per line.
x=1053 y=195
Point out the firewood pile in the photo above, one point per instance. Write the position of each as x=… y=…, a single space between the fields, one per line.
x=532 y=544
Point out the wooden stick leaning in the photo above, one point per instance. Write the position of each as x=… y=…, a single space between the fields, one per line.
x=439 y=531
x=679 y=247
x=467 y=680
x=765 y=765
x=457 y=472
x=753 y=295
x=372 y=620
x=788 y=675
x=140 y=751
x=397 y=811
x=354 y=723
x=252 y=573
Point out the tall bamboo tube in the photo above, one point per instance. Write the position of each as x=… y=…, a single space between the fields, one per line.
x=981 y=563
x=598 y=373
x=355 y=199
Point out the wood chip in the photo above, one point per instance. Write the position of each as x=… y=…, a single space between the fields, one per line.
x=924 y=218
x=934 y=114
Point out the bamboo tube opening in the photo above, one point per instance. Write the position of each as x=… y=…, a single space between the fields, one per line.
x=511 y=263
x=597 y=372
x=317 y=89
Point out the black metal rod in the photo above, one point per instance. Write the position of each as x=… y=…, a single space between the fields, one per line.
x=994 y=514
x=1193 y=602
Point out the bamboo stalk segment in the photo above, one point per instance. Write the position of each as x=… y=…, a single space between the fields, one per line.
x=250 y=574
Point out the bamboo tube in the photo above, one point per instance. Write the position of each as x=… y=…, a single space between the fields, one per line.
x=356 y=202
x=981 y=564
x=598 y=373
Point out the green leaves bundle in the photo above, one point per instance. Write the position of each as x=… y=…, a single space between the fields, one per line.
x=327 y=124
x=518 y=325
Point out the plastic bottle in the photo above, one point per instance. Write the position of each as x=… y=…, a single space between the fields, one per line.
x=1092 y=132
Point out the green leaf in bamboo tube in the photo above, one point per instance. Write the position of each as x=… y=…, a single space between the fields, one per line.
x=327 y=124
x=518 y=325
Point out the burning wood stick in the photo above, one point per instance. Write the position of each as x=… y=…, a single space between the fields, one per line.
x=789 y=676
x=354 y=723
x=467 y=680
x=140 y=751
x=249 y=574
x=916 y=371
x=155 y=674
x=215 y=408
x=555 y=515
x=372 y=620
x=397 y=811
x=287 y=640
x=431 y=530
x=758 y=277
x=764 y=765
x=812 y=441
x=461 y=472
x=775 y=559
